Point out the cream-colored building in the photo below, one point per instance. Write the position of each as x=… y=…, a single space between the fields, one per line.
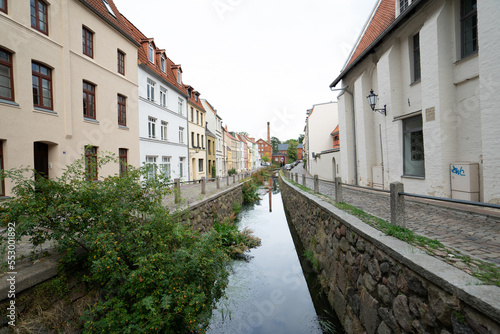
x=197 y=135
x=434 y=66
x=68 y=49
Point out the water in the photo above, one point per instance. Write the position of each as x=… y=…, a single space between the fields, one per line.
x=268 y=293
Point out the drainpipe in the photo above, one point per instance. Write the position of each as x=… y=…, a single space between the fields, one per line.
x=344 y=89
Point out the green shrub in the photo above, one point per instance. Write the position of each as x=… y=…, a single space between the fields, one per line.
x=232 y=171
x=154 y=274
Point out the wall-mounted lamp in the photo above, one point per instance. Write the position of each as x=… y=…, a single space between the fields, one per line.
x=372 y=100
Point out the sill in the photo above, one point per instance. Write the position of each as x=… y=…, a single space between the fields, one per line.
x=464 y=59
x=9 y=103
x=4 y=198
x=415 y=82
x=90 y=120
x=416 y=177
x=43 y=110
x=123 y=127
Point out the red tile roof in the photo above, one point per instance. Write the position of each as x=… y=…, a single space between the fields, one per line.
x=191 y=97
x=381 y=20
x=169 y=75
x=117 y=20
x=335 y=131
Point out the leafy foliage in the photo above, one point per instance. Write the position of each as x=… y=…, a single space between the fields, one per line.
x=234 y=241
x=232 y=171
x=292 y=150
x=266 y=157
x=154 y=274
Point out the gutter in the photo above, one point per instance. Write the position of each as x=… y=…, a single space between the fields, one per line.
x=416 y=4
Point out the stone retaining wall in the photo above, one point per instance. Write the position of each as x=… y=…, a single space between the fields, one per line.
x=378 y=284
x=201 y=215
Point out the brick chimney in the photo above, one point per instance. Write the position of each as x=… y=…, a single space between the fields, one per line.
x=268 y=134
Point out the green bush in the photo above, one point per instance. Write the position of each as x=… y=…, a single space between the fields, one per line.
x=232 y=171
x=154 y=274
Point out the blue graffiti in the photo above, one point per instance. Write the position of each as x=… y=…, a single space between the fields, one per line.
x=457 y=171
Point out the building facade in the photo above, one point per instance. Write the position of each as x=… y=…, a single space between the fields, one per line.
x=214 y=125
x=48 y=61
x=197 y=135
x=432 y=65
x=162 y=111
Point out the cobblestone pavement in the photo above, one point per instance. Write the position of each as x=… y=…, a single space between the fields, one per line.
x=473 y=231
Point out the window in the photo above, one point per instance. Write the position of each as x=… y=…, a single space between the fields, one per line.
x=151 y=90
x=6 y=77
x=413 y=147
x=181 y=167
x=163 y=130
x=2 y=183
x=192 y=139
x=197 y=117
x=108 y=7
x=3 y=6
x=151 y=54
x=192 y=115
x=89 y=100
x=151 y=127
x=163 y=97
x=122 y=154
x=181 y=135
x=162 y=64
x=468 y=22
x=416 y=57
x=180 y=106
x=39 y=16
x=87 y=42
x=41 y=77
x=201 y=117
x=179 y=76
x=403 y=4
x=165 y=167
x=200 y=165
x=91 y=162
x=151 y=167
x=197 y=140
x=122 y=110
x=202 y=141
x=196 y=98
x=121 y=62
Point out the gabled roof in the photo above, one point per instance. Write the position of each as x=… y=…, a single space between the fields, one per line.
x=115 y=19
x=382 y=22
x=284 y=147
x=334 y=132
x=192 y=93
x=210 y=107
x=263 y=141
x=210 y=133
x=143 y=60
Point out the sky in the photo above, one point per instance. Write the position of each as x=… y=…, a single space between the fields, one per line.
x=255 y=61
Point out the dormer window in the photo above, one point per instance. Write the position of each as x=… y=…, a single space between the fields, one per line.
x=179 y=76
x=151 y=54
x=196 y=98
x=162 y=64
x=403 y=4
x=108 y=7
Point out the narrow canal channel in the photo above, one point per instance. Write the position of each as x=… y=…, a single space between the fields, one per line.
x=269 y=293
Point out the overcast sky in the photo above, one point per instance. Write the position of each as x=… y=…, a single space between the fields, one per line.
x=255 y=60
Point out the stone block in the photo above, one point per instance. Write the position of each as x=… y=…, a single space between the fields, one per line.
x=387 y=316
x=385 y=295
x=374 y=269
x=402 y=312
x=383 y=328
x=368 y=314
x=417 y=287
x=339 y=304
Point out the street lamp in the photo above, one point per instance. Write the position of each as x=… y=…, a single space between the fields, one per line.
x=372 y=100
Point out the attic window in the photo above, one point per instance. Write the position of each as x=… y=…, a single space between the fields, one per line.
x=196 y=98
x=151 y=54
x=179 y=76
x=162 y=64
x=108 y=7
x=403 y=4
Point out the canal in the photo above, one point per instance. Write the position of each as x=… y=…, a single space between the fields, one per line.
x=270 y=291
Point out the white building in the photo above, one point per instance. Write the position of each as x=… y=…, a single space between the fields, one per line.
x=162 y=111
x=215 y=126
x=323 y=156
x=433 y=65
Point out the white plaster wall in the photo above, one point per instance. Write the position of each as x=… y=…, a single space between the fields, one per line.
x=326 y=166
x=322 y=121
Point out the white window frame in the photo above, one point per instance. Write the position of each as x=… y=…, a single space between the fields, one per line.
x=151 y=127
x=163 y=96
x=163 y=130
x=151 y=166
x=181 y=105
x=181 y=135
x=162 y=64
x=151 y=90
x=151 y=54
x=166 y=166
x=179 y=79
x=181 y=166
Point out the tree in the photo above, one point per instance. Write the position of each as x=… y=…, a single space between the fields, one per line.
x=292 y=149
x=274 y=143
x=301 y=139
x=266 y=157
x=244 y=133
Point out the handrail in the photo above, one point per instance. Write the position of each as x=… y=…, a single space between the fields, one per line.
x=452 y=200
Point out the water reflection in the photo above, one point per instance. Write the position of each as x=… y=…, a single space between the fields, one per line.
x=268 y=294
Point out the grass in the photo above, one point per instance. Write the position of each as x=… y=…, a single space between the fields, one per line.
x=487 y=272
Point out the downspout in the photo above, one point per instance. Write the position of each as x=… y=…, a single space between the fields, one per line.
x=344 y=89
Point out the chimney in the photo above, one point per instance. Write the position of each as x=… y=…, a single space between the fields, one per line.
x=268 y=134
